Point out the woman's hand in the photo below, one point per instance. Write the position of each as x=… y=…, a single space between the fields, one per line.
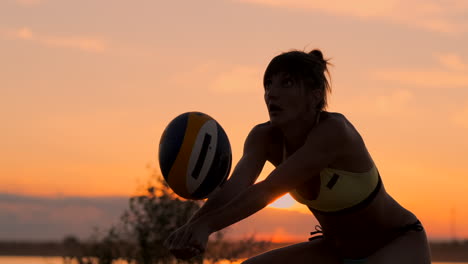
x=188 y=241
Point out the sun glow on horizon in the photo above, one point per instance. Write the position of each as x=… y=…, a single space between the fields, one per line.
x=284 y=202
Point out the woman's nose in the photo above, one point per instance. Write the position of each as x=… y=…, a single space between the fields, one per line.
x=270 y=96
x=271 y=92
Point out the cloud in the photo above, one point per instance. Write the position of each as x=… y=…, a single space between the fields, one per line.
x=222 y=78
x=421 y=77
x=77 y=42
x=393 y=103
x=460 y=118
x=398 y=99
x=24 y=33
x=29 y=3
x=452 y=62
x=40 y=218
x=238 y=79
x=445 y=17
x=452 y=73
x=84 y=43
x=359 y=8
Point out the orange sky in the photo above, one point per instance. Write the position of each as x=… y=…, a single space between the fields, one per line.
x=87 y=88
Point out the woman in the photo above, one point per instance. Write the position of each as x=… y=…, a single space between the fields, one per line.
x=320 y=159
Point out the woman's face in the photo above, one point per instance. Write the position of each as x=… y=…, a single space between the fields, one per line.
x=287 y=100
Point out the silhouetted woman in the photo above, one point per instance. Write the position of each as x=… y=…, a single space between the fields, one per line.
x=322 y=161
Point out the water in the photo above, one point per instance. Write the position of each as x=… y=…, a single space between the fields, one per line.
x=58 y=260
x=30 y=260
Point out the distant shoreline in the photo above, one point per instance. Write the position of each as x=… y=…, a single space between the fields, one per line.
x=455 y=251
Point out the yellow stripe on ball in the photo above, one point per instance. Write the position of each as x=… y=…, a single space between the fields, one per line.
x=177 y=183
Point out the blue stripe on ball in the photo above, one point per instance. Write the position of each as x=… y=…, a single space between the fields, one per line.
x=170 y=143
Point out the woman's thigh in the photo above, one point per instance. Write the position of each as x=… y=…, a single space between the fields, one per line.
x=410 y=248
x=315 y=251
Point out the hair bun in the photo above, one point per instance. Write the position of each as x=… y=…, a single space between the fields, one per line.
x=317 y=53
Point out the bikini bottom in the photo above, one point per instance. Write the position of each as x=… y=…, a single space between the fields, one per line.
x=416 y=226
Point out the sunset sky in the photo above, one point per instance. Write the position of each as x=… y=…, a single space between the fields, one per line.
x=87 y=87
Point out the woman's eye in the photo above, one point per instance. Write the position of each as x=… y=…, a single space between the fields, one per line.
x=287 y=82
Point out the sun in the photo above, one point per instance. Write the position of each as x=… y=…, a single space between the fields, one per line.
x=284 y=202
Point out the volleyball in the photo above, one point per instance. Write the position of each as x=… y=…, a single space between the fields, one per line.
x=194 y=155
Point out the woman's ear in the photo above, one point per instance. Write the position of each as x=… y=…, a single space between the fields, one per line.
x=317 y=95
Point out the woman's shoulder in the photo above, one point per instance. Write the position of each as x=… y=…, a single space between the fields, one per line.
x=337 y=121
x=332 y=117
x=268 y=138
x=330 y=122
x=354 y=155
x=263 y=131
x=266 y=130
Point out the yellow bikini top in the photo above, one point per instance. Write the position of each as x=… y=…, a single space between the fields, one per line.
x=341 y=190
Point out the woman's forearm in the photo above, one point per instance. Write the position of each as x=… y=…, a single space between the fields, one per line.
x=245 y=204
x=213 y=203
x=242 y=177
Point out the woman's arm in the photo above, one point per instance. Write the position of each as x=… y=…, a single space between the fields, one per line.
x=323 y=145
x=245 y=173
x=243 y=176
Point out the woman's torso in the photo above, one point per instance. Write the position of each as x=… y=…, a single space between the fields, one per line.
x=354 y=233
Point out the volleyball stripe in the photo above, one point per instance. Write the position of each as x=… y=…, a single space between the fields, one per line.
x=209 y=128
x=201 y=156
x=170 y=143
x=178 y=184
x=220 y=167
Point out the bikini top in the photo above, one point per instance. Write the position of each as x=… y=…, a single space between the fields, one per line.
x=340 y=190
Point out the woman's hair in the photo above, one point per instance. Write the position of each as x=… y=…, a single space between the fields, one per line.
x=311 y=68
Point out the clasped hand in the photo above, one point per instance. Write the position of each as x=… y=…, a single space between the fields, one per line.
x=188 y=241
